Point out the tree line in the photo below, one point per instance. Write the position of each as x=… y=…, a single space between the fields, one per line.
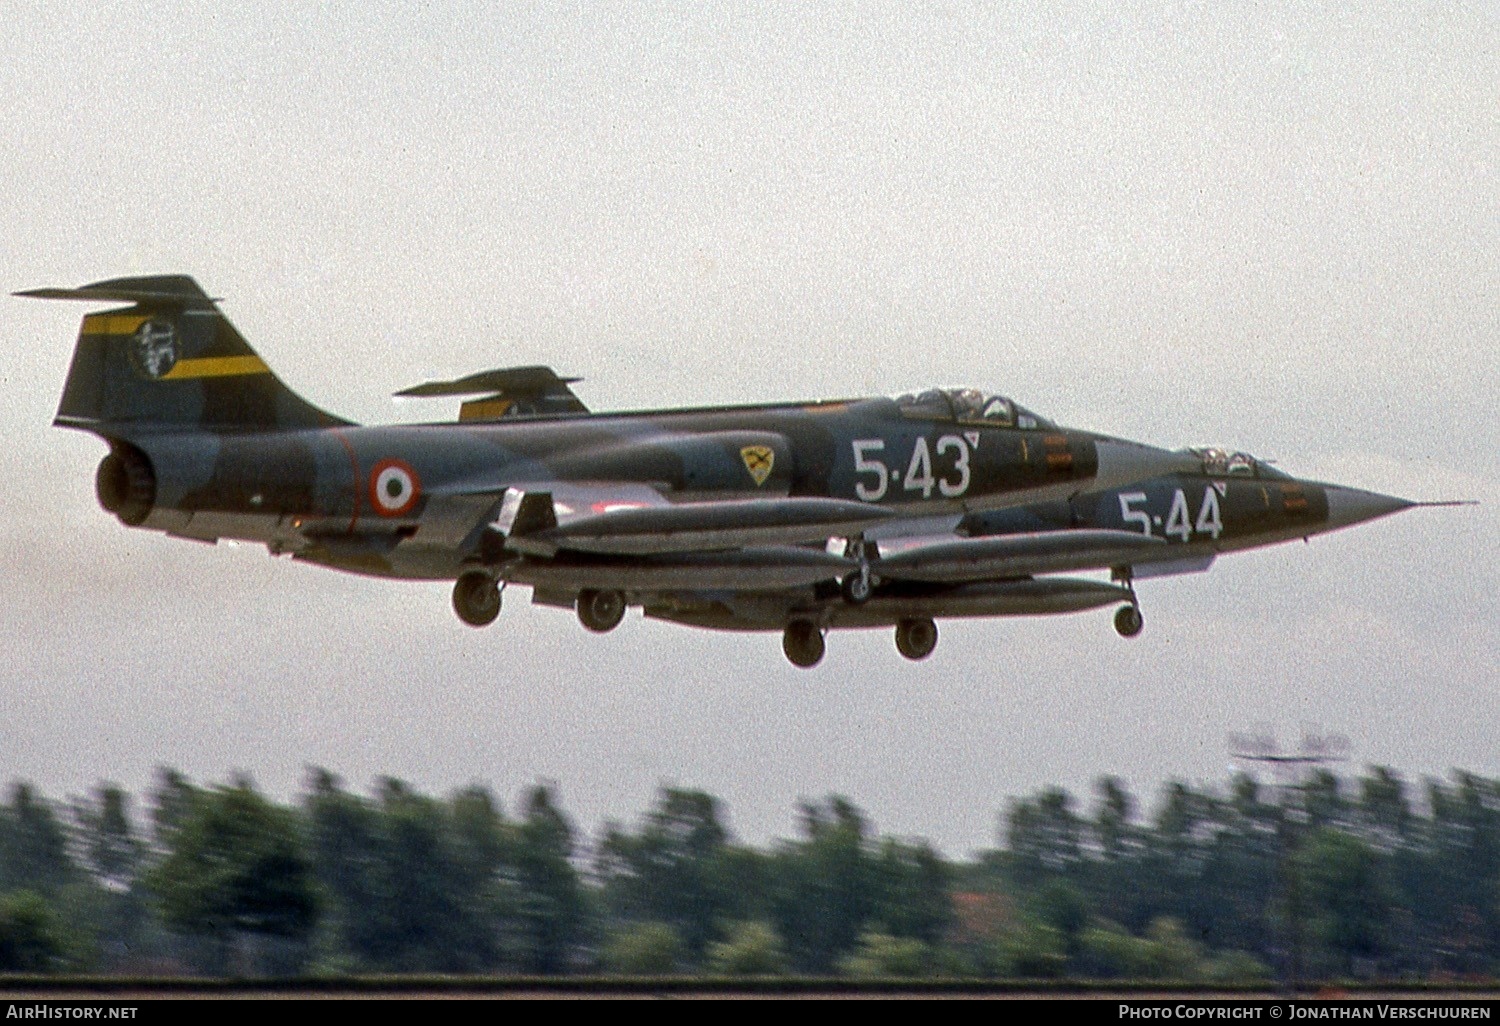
x=1366 y=878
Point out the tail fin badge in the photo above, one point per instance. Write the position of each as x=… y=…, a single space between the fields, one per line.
x=154 y=349
x=758 y=460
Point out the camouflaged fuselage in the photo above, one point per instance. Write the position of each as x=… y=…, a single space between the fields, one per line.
x=315 y=493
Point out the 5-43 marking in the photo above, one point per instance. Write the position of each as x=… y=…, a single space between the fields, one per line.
x=919 y=475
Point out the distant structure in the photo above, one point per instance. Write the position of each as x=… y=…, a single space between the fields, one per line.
x=1289 y=768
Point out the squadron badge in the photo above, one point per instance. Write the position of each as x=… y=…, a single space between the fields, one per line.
x=153 y=349
x=758 y=460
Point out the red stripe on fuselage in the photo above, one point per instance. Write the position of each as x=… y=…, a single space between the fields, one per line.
x=353 y=466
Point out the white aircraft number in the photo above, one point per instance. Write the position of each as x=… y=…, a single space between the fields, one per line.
x=1180 y=524
x=919 y=476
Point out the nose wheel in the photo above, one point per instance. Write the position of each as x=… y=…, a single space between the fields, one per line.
x=1128 y=619
x=859 y=584
x=802 y=642
x=476 y=598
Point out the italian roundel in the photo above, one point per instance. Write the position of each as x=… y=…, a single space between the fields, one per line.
x=394 y=488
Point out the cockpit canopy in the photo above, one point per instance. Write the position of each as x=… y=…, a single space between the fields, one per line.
x=1222 y=463
x=969 y=406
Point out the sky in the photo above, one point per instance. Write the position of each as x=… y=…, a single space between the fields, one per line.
x=1271 y=226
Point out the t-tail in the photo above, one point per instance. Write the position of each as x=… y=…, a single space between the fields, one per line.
x=169 y=361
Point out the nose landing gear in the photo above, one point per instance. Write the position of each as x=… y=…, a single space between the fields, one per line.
x=859 y=584
x=1128 y=619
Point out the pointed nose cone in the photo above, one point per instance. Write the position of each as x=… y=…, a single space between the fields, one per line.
x=1348 y=506
x=1122 y=463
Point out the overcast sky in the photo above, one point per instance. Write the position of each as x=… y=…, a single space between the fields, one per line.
x=1270 y=226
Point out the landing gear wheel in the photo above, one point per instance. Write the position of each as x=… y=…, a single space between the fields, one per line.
x=857 y=587
x=803 y=643
x=916 y=639
x=1128 y=621
x=600 y=611
x=476 y=598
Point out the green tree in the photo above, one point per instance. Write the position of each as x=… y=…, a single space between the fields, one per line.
x=235 y=874
x=1324 y=801
x=112 y=852
x=551 y=905
x=823 y=893
x=1347 y=894
x=1384 y=809
x=644 y=949
x=1239 y=881
x=1112 y=825
x=752 y=948
x=1113 y=871
x=1031 y=950
x=1044 y=837
x=111 y=900
x=485 y=848
x=421 y=903
x=675 y=870
x=33 y=845
x=348 y=855
x=881 y=955
x=912 y=891
x=413 y=884
x=171 y=799
x=31 y=938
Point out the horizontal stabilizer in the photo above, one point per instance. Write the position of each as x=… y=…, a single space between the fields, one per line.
x=1018 y=555
x=156 y=290
x=704 y=527
x=513 y=392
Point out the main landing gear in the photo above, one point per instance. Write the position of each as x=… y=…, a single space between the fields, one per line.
x=916 y=639
x=600 y=611
x=802 y=641
x=476 y=598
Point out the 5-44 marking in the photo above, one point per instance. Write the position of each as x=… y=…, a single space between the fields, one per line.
x=1180 y=524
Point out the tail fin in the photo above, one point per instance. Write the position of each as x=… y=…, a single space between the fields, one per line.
x=170 y=360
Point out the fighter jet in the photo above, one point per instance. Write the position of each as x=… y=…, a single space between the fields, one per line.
x=1008 y=561
x=798 y=518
